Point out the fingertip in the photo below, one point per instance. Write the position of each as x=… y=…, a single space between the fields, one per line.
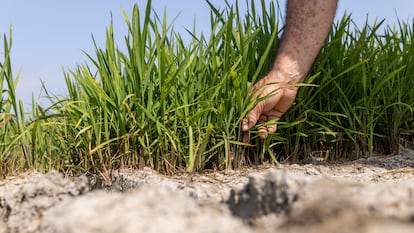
x=271 y=128
x=262 y=132
x=245 y=125
x=263 y=136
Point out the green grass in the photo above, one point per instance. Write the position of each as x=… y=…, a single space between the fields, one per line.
x=175 y=106
x=364 y=99
x=12 y=129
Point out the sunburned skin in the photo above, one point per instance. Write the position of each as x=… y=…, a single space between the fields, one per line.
x=307 y=26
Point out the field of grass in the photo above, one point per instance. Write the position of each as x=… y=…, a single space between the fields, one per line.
x=174 y=106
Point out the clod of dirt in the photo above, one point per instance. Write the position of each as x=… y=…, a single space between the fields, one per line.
x=23 y=203
x=289 y=203
x=286 y=202
x=272 y=193
x=149 y=208
x=335 y=205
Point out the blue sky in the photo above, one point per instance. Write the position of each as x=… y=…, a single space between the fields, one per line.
x=50 y=34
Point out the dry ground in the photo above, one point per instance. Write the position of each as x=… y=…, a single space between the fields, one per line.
x=367 y=195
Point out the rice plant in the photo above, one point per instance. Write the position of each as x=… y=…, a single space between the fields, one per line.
x=28 y=140
x=163 y=103
x=364 y=99
x=12 y=138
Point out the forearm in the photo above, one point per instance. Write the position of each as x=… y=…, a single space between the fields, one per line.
x=307 y=24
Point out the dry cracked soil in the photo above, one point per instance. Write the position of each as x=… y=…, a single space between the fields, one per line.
x=374 y=194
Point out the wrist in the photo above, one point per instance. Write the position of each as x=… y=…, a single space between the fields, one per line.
x=287 y=70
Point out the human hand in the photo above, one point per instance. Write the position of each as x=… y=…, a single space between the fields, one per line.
x=278 y=96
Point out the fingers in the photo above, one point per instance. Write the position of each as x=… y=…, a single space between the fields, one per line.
x=278 y=100
x=258 y=116
x=266 y=129
x=263 y=130
x=271 y=128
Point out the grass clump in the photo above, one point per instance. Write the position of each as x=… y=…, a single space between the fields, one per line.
x=11 y=117
x=27 y=139
x=163 y=103
x=172 y=105
x=364 y=102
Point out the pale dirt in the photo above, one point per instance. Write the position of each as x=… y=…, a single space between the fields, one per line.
x=368 y=195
